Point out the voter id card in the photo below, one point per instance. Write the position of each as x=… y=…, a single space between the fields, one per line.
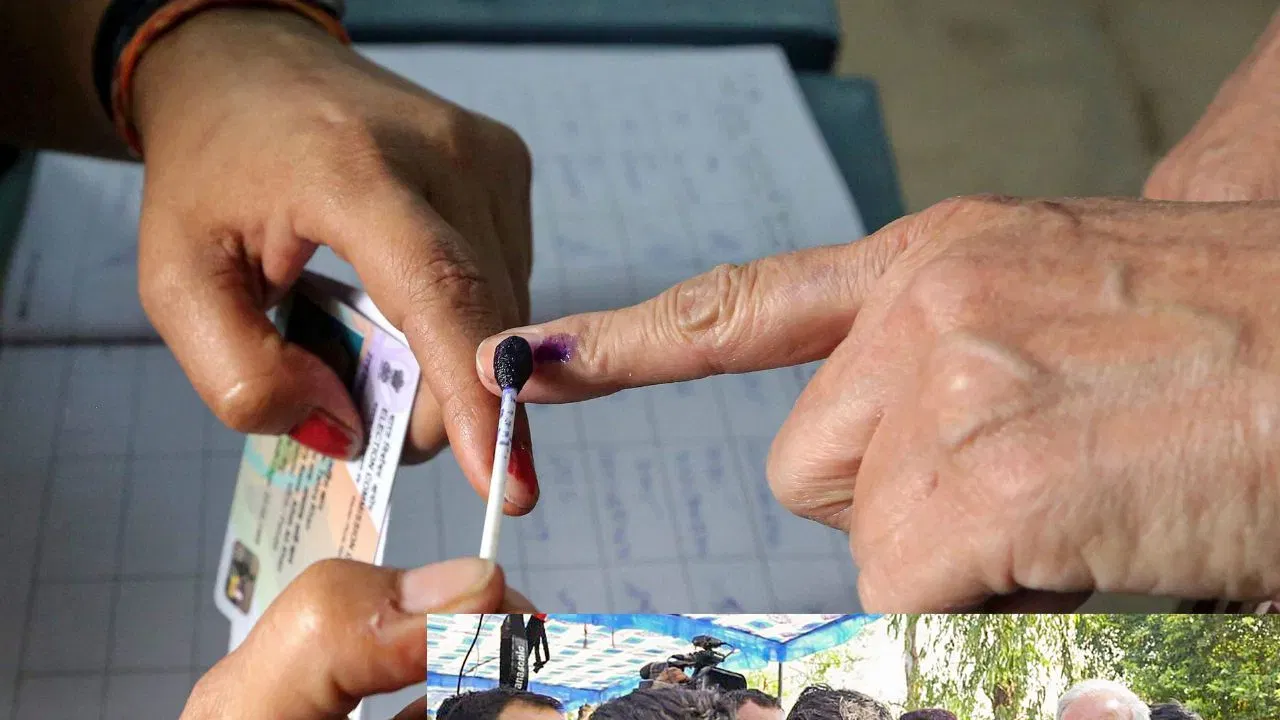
x=293 y=506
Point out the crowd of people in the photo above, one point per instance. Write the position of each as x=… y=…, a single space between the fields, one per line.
x=1095 y=699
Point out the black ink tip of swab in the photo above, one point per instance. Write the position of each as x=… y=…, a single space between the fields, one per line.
x=512 y=363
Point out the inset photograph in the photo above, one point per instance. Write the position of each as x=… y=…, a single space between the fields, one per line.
x=853 y=667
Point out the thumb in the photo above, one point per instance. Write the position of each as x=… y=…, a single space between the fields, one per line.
x=209 y=305
x=343 y=630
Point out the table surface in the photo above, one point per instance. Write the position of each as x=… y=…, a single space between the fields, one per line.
x=807 y=30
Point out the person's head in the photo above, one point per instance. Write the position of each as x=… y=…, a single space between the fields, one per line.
x=755 y=705
x=1101 y=700
x=928 y=714
x=1173 y=711
x=668 y=703
x=500 y=704
x=820 y=702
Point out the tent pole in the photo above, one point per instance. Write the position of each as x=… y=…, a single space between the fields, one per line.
x=779 y=681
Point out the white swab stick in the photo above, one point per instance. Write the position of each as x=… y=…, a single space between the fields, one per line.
x=498 y=478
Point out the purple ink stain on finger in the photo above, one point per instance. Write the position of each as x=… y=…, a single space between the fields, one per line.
x=555 y=349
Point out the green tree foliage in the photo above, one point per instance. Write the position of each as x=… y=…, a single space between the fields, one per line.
x=1004 y=659
x=763 y=680
x=1226 y=667
x=822 y=667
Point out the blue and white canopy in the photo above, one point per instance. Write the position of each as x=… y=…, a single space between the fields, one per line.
x=598 y=657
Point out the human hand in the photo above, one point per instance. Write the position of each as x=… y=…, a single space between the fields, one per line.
x=671 y=676
x=1233 y=152
x=265 y=138
x=340 y=632
x=1060 y=396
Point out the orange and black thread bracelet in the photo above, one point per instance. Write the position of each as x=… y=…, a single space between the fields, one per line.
x=130 y=27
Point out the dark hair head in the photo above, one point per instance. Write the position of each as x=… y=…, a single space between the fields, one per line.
x=668 y=703
x=820 y=702
x=489 y=704
x=764 y=700
x=1173 y=711
x=929 y=714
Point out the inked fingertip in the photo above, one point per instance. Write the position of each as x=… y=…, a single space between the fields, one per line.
x=559 y=348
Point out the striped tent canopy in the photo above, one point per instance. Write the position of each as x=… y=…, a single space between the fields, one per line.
x=598 y=657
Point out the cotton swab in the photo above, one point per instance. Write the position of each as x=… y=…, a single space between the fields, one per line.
x=512 y=367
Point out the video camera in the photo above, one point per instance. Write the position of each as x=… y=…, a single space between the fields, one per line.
x=705 y=674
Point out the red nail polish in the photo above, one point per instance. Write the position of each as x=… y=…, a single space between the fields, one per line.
x=520 y=466
x=323 y=433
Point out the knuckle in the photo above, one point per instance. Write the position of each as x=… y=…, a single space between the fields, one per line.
x=1165 y=181
x=948 y=289
x=344 y=161
x=158 y=286
x=513 y=150
x=246 y=405
x=455 y=136
x=217 y=686
x=597 y=356
x=1010 y=480
x=801 y=489
x=320 y=577
x=780 y=472
x=881 y=252
x=310 y=599
x=459 y=412
x=347 y=140
x=945 y=224
x=449 y=280
x=779 y=465
x=452 y=276
x=969 y=207
x=709 y=313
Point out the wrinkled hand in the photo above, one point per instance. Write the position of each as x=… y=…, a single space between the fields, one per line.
x=1059 y=396
x=1233 y=152
x=263 y=139
x=342 y=631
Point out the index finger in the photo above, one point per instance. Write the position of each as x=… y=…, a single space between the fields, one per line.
x=777 y=311
x=426 y=280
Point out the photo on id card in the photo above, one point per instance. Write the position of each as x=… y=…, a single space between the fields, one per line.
x=293 y=506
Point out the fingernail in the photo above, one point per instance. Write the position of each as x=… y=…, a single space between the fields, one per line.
x=323 y=433
x=438 y=587
x=522 y=477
